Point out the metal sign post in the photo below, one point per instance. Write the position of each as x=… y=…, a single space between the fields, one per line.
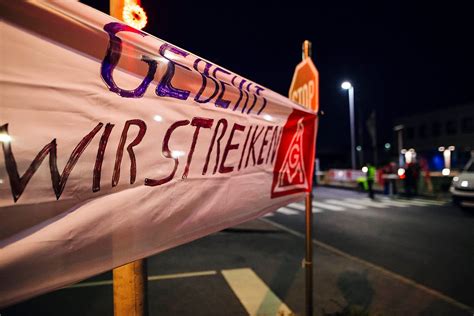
x=309 y=226
x=304 y=90
x=308 y=261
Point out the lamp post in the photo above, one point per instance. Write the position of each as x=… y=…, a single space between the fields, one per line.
x=346 y=85
x=399 y=130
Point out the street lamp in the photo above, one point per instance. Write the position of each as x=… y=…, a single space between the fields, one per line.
x=346 y=85
x=399 y=130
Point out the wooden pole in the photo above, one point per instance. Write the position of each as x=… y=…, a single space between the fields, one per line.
x=130 y=289
x=116 y=8
x=130 y=280
x=308 y=261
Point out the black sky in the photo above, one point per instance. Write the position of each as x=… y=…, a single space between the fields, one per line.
x=401 y=56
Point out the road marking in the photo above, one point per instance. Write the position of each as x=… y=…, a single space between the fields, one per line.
x=150 y=278
x=380 y=269
x=349 y=205
x=410 y=202
x=298 y=206
x=366 y=203
x=414 y=202
x=328 y=206
x=302 y=208
x=287 y=211
x=254 y=294
x=417 y=203
x=424 y=201
x=388 y=202
x=181 y=275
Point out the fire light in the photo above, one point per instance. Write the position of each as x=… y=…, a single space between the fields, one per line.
x=134 y=15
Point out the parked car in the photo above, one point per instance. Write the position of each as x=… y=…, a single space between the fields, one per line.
x=462 y=187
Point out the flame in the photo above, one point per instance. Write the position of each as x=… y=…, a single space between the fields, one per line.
x=134 y=15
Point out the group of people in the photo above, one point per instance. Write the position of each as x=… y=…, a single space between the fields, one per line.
x=413 y=173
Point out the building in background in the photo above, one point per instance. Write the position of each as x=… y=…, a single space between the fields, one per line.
x=444 y=137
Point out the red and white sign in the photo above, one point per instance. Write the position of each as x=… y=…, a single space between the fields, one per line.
x=304 y=87
x=117 y=145
x=294 y=164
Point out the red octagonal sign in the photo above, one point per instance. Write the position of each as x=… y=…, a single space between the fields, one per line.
x=304 y=87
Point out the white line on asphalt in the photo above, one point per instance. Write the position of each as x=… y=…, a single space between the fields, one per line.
x=150 y=278
x=389 y=202
x=287 y=211
x=327 y=206
x=256 y=297
x=439 y=203
x=366 y=203
x=302 y=208
x=412 y=202
x=389 y=273
x=181 y=275
x=297 y=206
x=416 y=203
x=349 y=205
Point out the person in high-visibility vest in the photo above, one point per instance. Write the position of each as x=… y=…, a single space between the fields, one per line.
x=370 y=179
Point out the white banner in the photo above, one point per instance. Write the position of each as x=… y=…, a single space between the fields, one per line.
x=117 y=145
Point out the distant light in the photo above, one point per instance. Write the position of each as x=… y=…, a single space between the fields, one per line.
x=5 y=138
x=464 y=184
x=403 y=151
x=177 y=153
x=359 y=148
x=365 y=169
x=445 y=172
x=398 y=128
x=401 y=172
x=387 y=146
x=452 y=148
x=134 y=15
x=456 y=179
x=441 y=148
x=268 y=117
x=157 y=118
x=412 y=150
x=346 y=85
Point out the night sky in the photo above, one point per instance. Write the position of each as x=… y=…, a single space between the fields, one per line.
x=401 y=56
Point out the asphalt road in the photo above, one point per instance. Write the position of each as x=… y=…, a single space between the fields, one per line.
x=430 y=242
x=386 y=257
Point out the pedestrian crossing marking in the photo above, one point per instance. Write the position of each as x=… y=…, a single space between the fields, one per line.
x=362 y=203
x=302 y=208
x=416 y=203
x=389 y=202
x=297 y=206
x=439 y=203
x=366 y=203
x=349 y=205
x=328 y=206
x=287 y=211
